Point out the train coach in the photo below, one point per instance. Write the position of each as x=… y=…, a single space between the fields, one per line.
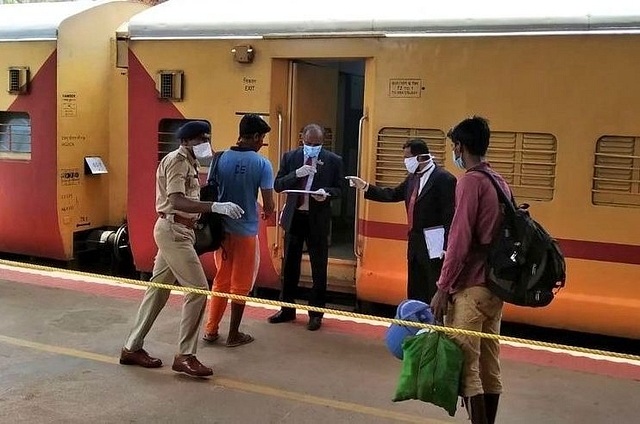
x=62 y=139
x=558 y=84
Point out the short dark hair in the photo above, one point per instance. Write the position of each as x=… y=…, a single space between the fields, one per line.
x=417 y=146
x=473 y=133
x=252 y=123
x=312 y=127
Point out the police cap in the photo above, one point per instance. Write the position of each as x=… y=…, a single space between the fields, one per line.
x=193 y=129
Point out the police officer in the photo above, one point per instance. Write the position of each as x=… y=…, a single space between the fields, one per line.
x=178 y=207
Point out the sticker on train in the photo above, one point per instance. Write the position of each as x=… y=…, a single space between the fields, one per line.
x=405 y=87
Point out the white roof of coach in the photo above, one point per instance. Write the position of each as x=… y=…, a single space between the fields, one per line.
x=39 y=21
x=260 y=18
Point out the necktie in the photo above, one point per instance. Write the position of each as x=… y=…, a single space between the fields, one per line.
x=415 y=180
x=302 y=185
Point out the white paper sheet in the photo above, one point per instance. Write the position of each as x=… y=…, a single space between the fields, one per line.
x=434 y=237
x=318 y=192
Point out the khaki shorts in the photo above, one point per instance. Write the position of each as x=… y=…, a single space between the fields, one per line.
x=477 y=309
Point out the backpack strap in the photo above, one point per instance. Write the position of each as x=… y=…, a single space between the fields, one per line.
x=212 y=177
x=502 y=197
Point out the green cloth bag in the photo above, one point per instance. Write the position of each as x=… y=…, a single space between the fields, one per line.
x=431 y=370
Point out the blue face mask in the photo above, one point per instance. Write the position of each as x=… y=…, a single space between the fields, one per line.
x=457 y=161
x=311 y=151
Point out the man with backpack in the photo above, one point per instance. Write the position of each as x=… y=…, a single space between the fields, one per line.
x=241 y=172
x=462 y=293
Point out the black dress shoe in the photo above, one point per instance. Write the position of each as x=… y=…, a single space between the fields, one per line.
x=282 y=316
x=314 y=323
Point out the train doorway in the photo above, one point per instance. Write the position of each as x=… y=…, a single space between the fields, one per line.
x=331 y=94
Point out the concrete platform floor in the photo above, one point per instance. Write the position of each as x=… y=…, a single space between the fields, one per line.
x=60 y=338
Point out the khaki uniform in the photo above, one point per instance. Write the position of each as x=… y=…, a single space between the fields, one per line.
x=176 y=260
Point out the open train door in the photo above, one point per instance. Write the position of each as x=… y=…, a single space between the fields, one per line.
x=329 y=93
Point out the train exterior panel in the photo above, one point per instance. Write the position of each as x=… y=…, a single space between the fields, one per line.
x=558 y=86
x=55 y=136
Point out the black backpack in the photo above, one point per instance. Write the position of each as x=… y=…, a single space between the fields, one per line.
x=525 y=266
x=209 y=231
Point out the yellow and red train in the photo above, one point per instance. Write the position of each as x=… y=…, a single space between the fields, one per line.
x=558 y=84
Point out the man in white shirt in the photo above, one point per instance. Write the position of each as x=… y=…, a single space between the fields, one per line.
x=307 y=218
x=429 y=196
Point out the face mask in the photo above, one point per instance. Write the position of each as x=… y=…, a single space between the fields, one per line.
x=202 y=150
x=457 y=161
x=411 y=164
x=311 y=151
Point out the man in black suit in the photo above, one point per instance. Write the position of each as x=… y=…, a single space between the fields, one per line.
x=307 y=218
x=429 y=196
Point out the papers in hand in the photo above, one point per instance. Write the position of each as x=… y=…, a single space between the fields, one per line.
x=434 y=238
x=319 y=192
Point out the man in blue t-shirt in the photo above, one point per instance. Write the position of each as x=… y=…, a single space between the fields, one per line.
x=240 y=173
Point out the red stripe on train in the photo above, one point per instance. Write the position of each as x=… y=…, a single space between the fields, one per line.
x=577 y=249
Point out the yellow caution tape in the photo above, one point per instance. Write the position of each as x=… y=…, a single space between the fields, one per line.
x=447 y=330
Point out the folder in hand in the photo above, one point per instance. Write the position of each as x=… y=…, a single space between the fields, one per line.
x=434 y=238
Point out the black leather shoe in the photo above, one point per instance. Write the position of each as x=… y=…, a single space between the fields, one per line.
x=189 y=364
x=282 y=316
x=314 y=323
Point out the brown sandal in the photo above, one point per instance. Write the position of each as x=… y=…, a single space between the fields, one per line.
x=242 y=339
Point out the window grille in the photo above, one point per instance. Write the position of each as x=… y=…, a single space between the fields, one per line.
x=15 y=132
x=616 y=174
x=527 y=161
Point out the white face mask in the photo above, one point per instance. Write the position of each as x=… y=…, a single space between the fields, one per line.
x=202 y=150
x=457 y=161
x=411 y=164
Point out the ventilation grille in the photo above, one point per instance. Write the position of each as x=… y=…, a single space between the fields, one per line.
x=18 y=80
x=390 y=169
x=616 y=174
x=170 y=85
x=527 y=161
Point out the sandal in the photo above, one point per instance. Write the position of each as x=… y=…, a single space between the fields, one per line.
x=242 y=339
x=210 y=337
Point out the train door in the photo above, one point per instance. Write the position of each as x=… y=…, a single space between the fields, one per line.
x=331 y=94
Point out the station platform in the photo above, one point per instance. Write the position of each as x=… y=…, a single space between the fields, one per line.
x=61 y=335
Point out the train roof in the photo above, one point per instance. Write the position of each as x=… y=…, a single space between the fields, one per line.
x=184 y=19
x=39 y=21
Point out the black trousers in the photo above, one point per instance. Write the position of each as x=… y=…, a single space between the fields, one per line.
x=423 y=275
x=318 y=248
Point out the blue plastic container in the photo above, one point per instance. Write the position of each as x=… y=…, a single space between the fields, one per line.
x=408 y=310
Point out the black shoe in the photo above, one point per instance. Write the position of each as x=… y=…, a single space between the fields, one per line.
x=314 y=323
x=282 y=316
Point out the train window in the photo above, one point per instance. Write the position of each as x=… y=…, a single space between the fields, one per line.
x=15 y=134
x=390 y=169
x=616 y=174
x=527 y=161
x=167 y=141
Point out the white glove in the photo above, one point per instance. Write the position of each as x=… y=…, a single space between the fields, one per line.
x=227 y=208
x=358 y=183
x=321 y=196
x=305 y=170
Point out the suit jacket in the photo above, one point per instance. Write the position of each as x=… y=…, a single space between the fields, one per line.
x=434 y=206
x=330 y=177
